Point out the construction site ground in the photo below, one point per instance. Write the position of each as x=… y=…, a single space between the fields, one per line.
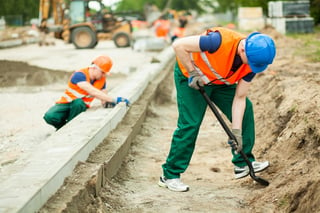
x=287 y=115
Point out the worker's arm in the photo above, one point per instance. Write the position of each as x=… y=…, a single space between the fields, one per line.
x=239 y=103
x=186 y=45
x=101 y=95
x=183 y=47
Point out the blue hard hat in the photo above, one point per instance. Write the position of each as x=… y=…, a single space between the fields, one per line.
x=260 y=51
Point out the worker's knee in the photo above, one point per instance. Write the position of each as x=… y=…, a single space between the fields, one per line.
x=54 y=120
x=78 y=105
x=48 y=118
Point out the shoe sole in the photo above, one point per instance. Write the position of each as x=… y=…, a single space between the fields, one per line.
x=164 y=185
x=260 y=170
x=255 y=171
x=241 y=175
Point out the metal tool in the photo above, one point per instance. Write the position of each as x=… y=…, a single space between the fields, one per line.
x=232 y=137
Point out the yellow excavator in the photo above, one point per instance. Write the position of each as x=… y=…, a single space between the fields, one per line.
x=84 y=23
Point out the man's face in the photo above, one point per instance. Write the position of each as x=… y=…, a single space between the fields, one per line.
x=98 y=73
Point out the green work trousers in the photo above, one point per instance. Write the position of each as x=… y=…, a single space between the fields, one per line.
x=192 y=107
x=59 y=114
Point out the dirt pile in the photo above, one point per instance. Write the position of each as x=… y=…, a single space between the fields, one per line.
x=286 y=100
x=23 y=74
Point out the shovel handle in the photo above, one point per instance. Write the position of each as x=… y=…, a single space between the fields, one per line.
x=231 y=136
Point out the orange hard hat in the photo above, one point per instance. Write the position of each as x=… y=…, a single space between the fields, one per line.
x=103 y=62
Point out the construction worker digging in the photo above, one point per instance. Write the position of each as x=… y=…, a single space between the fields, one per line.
x=222 y=62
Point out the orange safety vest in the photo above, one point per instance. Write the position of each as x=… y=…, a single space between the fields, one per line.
x=74 y=91
x=216 y=67
x=179 y=31
x=162 y=27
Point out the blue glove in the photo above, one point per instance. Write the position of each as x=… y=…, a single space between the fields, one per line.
x=121 y=99
x=116 y=101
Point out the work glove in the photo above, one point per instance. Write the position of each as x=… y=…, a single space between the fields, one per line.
x=116 y=101
x=194 y=80
x=121 y=99
x=236 y=147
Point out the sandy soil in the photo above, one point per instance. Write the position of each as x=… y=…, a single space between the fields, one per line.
x=286 y=100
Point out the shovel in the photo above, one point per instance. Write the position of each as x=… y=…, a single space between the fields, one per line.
x=232 y=137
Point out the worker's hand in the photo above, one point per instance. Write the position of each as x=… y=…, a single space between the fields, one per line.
x=108 y=105
x=194 y=80
x=115 y=102
x=121 y=99
x=232 y=144
x=238 y=134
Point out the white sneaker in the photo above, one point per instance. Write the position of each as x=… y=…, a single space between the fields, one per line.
x=173 y=184
x=240 y=172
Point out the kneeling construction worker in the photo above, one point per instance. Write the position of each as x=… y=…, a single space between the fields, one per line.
x=84 y=85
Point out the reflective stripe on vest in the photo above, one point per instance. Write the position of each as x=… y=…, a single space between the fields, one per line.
x=217 y=66
x=214 y=72
x=75 y=92
x=71 y=94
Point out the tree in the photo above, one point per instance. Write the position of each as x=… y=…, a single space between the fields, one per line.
x=138 y=5
x=26 y=9
x=232 y=5
x=315 y=10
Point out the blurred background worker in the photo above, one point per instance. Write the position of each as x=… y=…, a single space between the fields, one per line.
x=162 y=27
x=45 y=38
x=84 y=85
x=179 y=32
